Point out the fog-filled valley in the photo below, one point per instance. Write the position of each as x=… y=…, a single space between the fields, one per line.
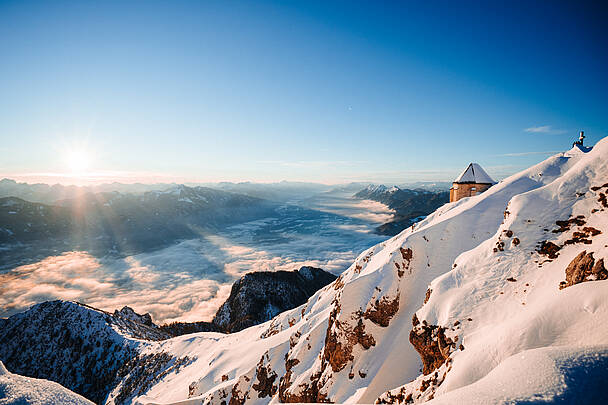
x=172 y=250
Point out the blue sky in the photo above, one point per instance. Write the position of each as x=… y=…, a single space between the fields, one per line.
x=310 y=91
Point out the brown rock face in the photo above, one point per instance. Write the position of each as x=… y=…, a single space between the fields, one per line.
x=308 y=393
x=427 y=296
x=584 y=268
x=339 y=345
x=432 y=345
x=549 y=249
x=382 y=311
x=237 y=397
x=407 y=254
x=266 y=377
x=565 y=225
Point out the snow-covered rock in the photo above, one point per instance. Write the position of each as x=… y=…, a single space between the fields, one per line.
x=19 y=390
x=482 y=287
x=80 y=347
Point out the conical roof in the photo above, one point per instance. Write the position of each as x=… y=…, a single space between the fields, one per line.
x=474 y=174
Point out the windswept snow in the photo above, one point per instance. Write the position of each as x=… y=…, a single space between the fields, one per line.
x=18 y=390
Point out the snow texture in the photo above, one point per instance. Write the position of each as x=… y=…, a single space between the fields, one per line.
x=18 y=390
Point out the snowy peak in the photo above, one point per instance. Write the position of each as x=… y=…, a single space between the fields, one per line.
x=376 y=188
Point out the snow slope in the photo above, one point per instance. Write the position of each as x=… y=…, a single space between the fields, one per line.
x=18 y=390
x=492 y=297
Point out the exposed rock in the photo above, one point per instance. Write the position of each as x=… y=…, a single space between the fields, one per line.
x=427 y=296
x=584 y=268
x=266 y=377
x=406 y=253
x=237 y=397
x=595 y=188
x=382 y=311
x=549 y=249
x=591 y=231
x=432 y=344
x=305 y=393
x=129 y=313
x=565 y=225
x=259 y=296
x=420 y=390
x=339 y=344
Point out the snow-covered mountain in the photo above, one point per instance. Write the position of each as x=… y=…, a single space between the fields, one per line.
x=409 y=205
x=490 y=299
x=77 y=346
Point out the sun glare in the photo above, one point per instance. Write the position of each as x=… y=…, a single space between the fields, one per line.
x=77 y=161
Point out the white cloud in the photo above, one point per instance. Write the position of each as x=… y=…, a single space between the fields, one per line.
x=544 y=129
x=551 y=152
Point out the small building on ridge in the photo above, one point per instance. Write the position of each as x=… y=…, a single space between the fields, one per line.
x=472 y=181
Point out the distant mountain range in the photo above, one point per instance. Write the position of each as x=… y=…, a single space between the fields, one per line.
x=410 y=205
x=114 y=222
x=279 y=192
x=48 y=194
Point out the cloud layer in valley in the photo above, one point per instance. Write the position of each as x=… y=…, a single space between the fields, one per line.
x=190 y=280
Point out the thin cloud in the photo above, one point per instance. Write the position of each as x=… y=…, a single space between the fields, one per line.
x=550 y=152
x=544 y=129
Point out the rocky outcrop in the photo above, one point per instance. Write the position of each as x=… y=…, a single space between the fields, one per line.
x=382 y=310
x=129 y=313
x=259 y=296
x=431 y=342
x=584 y=268
x=549 y=249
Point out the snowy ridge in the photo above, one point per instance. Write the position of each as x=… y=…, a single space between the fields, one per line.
x=80 y=347
x=18 y=390
x=491 y=291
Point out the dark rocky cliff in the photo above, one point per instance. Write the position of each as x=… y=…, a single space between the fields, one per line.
x=258 y=297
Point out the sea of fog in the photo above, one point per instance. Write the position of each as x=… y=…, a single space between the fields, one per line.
x=190 y=280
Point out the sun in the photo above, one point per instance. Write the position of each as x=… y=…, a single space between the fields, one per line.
x=77 y=161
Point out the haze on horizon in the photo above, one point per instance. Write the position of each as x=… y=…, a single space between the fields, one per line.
x=299 y=91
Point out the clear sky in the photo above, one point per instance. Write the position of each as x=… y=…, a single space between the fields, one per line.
x=310 y=91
